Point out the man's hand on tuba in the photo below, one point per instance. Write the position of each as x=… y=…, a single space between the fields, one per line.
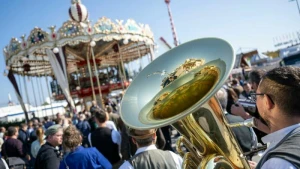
x=252 y=164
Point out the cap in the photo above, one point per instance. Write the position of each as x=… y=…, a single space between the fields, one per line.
x=53 y=130
x=141 y=134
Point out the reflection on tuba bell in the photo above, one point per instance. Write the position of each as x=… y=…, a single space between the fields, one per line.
x=178 y=88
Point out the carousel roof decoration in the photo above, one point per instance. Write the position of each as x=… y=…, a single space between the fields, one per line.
x=133 y=40
x=78 y=12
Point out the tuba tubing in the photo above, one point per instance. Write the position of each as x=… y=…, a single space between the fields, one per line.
x=178 y=88
x=247 y=123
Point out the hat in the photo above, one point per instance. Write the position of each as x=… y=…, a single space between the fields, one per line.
x=52 y=130
x=141 y=134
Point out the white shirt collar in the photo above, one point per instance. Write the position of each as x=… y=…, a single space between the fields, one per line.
x=225 y=112
x=142 y=149
x=274 y=138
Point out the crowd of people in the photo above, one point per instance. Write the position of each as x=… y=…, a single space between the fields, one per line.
x=89 y=139
x=98 y=138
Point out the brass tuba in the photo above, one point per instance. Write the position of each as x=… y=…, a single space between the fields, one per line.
x=178 y=88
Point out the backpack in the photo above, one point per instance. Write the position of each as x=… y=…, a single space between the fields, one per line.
x=15 y=163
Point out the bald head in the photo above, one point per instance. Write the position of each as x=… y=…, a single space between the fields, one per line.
x=222 y=97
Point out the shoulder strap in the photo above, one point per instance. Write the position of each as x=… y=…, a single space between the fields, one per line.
x=90 y=139
x=67 y=167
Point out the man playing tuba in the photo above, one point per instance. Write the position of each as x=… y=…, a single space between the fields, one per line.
x=147 y=155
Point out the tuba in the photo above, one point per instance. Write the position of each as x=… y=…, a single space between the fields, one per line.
x=178 y=88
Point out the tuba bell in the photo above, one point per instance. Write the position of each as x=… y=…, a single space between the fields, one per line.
x=178 y=88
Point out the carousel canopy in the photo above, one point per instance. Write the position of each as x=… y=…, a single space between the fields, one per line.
x=78 y=38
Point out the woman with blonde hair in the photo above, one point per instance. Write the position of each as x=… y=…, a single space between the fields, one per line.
x=78 y=156
x=36 y=145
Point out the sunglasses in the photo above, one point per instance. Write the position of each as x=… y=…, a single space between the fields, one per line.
x=254 y=96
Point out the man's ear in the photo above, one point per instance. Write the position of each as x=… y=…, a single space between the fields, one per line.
x=254 y=86
x=268 y=102
x=133 y=140
x=49 y=137
x=154 y=136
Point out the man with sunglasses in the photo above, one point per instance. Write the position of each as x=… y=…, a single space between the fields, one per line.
x=277 y=99
x=238 y=110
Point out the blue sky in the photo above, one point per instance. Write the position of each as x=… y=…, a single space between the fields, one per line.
x=244 y=23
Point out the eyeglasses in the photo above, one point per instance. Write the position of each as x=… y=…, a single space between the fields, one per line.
x=253 y=96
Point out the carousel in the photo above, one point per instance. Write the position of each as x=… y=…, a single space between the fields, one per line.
x=84 y=60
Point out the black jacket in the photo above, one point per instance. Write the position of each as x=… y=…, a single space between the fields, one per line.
x=23 y=136
x=47 y=158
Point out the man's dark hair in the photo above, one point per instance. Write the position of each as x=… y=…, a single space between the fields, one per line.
x=11 y=131
x=22 y=125
x=100 y=115
x=234 y=81
x=46 y=118
x=245 y=83
x=144 y=142
x=256 y=75
x=282 y=85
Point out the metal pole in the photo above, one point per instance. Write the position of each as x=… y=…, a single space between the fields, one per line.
x=41 y=89
x=48 y=91
x=129 y=68
x=122 y=64
x=120 y=73
x=91 y=77
x=26 y=92
x=78 y=78
x=49 y=95
x=140 y=57
x=20 y=86
x=98 y=81
x=31 y=79
x=151 y=52
x=172 y=23
x=298 y=6
x=38 y=89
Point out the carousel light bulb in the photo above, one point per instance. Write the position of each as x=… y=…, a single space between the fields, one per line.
x=78 y=88
x=7 y=67
x=93 y=43
x=55 y=50
x=125 y=41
